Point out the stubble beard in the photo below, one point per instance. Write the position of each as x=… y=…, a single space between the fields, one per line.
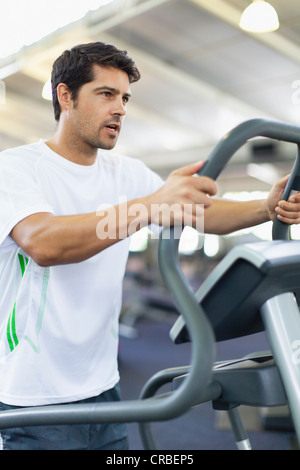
x=92 y=143
x=91 y=140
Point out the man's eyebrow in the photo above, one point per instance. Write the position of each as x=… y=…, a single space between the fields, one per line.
x=113 y=90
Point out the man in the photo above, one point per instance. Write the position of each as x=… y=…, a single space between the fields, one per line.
x=67 y=209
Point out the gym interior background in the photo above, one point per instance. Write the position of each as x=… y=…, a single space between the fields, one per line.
x=201 y=76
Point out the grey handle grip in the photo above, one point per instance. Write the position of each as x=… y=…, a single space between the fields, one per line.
x=236 y=138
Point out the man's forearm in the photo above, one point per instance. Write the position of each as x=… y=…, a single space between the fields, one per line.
x=224 y=216
x=52 y=240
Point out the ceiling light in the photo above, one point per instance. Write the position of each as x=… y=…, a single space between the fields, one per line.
x=259 y=17
x=47 y=90
x=190 y=241
x=211 y=245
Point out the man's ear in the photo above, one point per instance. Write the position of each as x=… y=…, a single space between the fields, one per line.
x=63 y=96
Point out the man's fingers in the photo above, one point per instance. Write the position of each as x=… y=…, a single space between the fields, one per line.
x=206 y=185
x=289 y=211
x=292 y=205
x=295 y=198
x=282 y=182
x=288 y=219
x=189 y=170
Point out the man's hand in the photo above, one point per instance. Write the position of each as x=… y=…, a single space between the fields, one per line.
x=287 y=211
x=182 y=197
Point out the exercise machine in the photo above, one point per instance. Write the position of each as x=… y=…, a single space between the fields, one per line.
x=254 y=288
x=268 y=276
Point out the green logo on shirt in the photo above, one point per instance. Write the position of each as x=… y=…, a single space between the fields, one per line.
x=12 y=337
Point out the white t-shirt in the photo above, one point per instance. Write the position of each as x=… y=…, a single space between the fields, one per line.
x=59 y=324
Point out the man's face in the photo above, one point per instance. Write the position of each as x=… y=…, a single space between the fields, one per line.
x=97 y=114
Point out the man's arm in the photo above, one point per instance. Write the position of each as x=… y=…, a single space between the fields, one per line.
x=224 y=216
x=51 y=240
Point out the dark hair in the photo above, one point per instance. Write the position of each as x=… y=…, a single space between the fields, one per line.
x=75 y=67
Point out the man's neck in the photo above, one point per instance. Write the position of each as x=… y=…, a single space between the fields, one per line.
x=70 y=149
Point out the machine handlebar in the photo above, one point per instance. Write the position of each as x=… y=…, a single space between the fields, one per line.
x=237 y=137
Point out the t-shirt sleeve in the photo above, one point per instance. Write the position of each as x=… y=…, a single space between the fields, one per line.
x=20 y=194
x=141 y=180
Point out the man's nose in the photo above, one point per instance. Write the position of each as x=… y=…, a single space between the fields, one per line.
x=119 y=107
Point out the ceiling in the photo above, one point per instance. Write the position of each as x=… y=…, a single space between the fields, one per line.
x=201 y=76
